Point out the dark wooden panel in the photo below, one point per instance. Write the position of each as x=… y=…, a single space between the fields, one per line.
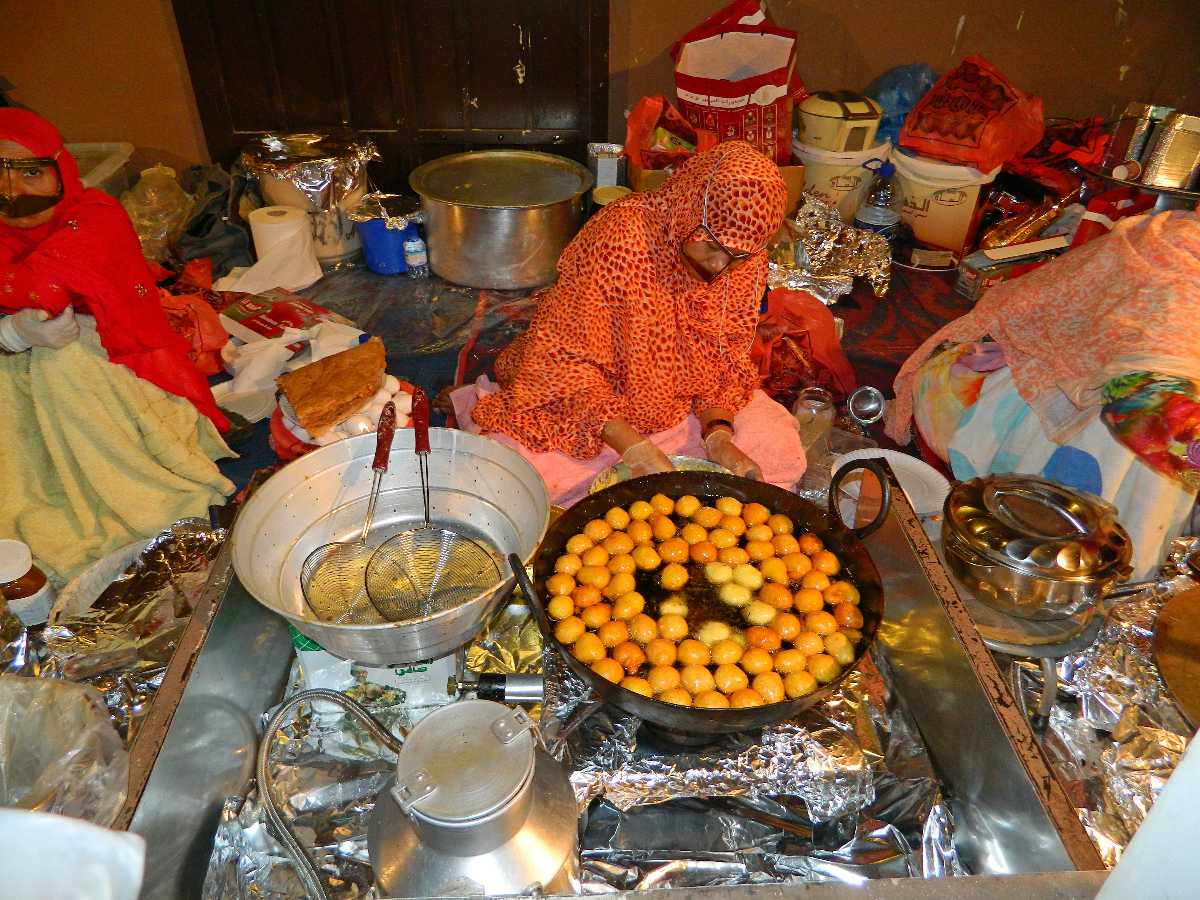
x=244 y=66
x=367 y=39
x=433 y=51
x=555 y=74
x=301 y=35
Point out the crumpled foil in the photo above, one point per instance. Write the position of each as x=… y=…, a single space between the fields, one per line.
x=826 y=288
x=123 y=643
x=828 y=247
x=326 y=168
x=845 y=792
x=396 y=210
x=1115 y=736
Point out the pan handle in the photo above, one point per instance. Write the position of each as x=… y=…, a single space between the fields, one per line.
x=535 y=599
x=420 y=419
x=885 y=487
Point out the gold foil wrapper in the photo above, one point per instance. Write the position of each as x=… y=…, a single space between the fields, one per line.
x=827 y=246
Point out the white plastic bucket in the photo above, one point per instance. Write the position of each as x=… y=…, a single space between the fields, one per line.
x=839 y=177
x=938 y=200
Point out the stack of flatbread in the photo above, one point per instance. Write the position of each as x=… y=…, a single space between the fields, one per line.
x=326 y=392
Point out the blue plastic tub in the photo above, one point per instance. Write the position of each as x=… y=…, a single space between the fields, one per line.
x=383 y=247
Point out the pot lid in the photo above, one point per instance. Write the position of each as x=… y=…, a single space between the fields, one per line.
x=1037 y=527
x=308 y=147
x=840 y=105
x=501 y=179
x=464 y=761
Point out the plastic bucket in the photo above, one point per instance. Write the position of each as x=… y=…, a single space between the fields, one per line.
x=383 y=247
x=839 y=177
x=939 y=201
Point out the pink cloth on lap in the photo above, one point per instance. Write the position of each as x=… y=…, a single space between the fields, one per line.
x=765 y=430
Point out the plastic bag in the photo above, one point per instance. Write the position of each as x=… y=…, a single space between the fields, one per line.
x=974 y=117
x=650 y=115
x=158 y=208
x=191 y=306
x=898 y=90
x=102 y=863
x=796 y=346
x=59 y=752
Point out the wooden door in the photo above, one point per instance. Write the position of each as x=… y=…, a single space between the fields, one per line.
x=422 y=79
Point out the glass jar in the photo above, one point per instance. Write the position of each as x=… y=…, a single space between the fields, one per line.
x=24 y=586
x=814 y=412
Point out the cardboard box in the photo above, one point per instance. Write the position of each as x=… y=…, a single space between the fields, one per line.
x=793 y=176
x=985 y=268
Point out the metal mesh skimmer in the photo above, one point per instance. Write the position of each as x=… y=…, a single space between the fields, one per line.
x=428 y=570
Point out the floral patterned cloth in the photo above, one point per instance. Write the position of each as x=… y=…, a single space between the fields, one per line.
x=1158 y=418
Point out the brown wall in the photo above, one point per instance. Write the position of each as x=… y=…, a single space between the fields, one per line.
x=105 y=71
x=1083 y=57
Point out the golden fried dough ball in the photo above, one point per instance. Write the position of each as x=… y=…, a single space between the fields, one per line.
x=628 y=605
x=736 y=595
x=619 y=585
x=718 y=573
x=822 y=623
x=568 y=564
x=617 y=519
x=810 y=543
x=596 y=576
x=774 y=570
x=703 y=552
x=758 y=613
x=707 y=516
x=733 y=556
x=577 y=543
x=629 y=655
x=747 y=576
x=675 y=605
x=815 y=580
x=769 y=686
x=661 y=652
x=662 y=504
x=729 y=506
x=640 y=532
x=839 y=647
x=646 y=557
x=712 y=700
x=744 y=698
x=686 y=506
x=798 y=565
x=622 y=562
x=560 y=584
x=756 y=661
x=759 y=550
x=780 y=524
x=808 y=643
x=675 y=628
x=662 y=526
x=824 y=561
x=609 y=670
x=726 y=652
x=637 y=685
x=585 y=595
x=595 y=556
x=730 y=678
x=722 y=539
x=663 y=678
x=763 y=637
x=676 y=696
x=711 y=633
x=696 y=679
x=776 y=595
x=640 y=510
x=842 y=592
x=588 y=649
x=798 y=684
x=569 y=629
x=787 y=626
x=597 y=530
x=848 y=615
x=759 y=533
x=691 y=652
x=735 y=525
x=612 y=632
x=791 y=660
x=673 y=576
x=595 y=616
x=823 y=667
x=674 y=550
x=785 y=544
x=806 y=600
x=755 y=513
x=693 y=533
x=560 y=608
x=617 y=543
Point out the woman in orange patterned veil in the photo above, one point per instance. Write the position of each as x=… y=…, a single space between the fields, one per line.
x=651 y=320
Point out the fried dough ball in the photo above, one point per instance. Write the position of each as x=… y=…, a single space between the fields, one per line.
x=733 y=556
x=848 y=615
x=730 y=678
x=694 y=653
x=640 y=532
x=597 y=530
x=617 y=519
x=569 y=629
x=735 y=525
x=756 y=661
x=617 y=543
x=588 y=649
x=596 y=576
x=769 y=686
x=776 y=595
x=595 y=616
x=774 y=569
x=842 y=592
x=787 y=626
x=673 y=576
x=739 y=638
x=637 y=685
x=810 y=543
x=612 y=633
x=780 y=524
x=722 y=539
x=712 y=700
x=853 y=635
x=696 y=679
x=646 y=557
x=675 y=628
x=823 y=667
x=824 y=561
x=712 y=633
x=577 y=543
x=759 y=533
x=594 y=556
x=764 y=638
x=707 y=516
x=560 y=608
x=838 y=646
x=798 y=565
x=821 y=622
x=687 y=505
x=726 y=652
x=643 y=629
x=693 y=533
x=798 y=684
x=736 y=595
x=560 y=584
x=785 y=544
x=703 y=552
x=663 y=678
x=676 y=696
x=674 y=550
x=791 y=660
x=718 y=573
x=806 y=600
x=729 y=506
x=662 y=526
x=815 y=580
x=628 y=605
x=759 y=550
x=622 y=562
x=747 y=576
x=758 y=613
x=808 y=643
x=744 y=698
x=755 y=513
x=675 y=605
x=662 y=504
x=585 y=595
x=609 y=670
x=629 y=655
x=640 y=510
x=661 y=652
x=568 y=564
x=619 y=585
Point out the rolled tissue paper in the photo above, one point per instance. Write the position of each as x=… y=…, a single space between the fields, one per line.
x=283 y=243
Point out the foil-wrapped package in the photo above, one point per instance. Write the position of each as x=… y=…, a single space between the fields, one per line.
x=396 y=210
x=827 y=246
x=326 y=169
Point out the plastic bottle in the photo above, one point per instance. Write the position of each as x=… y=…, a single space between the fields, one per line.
x=158 y=208
x=878 y=212
x=416 y=257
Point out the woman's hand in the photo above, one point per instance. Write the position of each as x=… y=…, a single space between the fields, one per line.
x=637 y=452
x=723 y=451
x=34 y=328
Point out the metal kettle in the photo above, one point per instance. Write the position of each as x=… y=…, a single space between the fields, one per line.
x=476 y=808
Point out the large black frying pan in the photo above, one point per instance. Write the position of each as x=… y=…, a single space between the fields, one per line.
x=843 y=541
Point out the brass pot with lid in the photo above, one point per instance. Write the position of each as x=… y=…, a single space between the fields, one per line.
x=1032 y=548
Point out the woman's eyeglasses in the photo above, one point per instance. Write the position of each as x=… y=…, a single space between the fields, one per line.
x=18 y=206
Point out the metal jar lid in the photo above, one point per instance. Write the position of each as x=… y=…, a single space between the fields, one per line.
x=464 y=762
x=1036 y=527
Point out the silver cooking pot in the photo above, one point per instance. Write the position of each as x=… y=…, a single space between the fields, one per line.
x=478 y=486
x=500 y=218
x=1033 y=548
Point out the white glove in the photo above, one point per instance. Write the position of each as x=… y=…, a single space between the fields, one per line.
x=643 y=458
x=34 y=328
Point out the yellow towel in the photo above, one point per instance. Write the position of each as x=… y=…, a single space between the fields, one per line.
x=93 y=457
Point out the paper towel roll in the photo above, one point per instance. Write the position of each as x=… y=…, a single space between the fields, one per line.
x=274 y=225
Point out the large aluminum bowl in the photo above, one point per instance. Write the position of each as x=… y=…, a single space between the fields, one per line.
x=478 y=486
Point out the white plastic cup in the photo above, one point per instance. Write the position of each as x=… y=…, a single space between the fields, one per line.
x=839 y=178
x=938 y=201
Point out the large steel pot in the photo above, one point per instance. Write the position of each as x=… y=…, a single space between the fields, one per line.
x=481 y=487
x=500 y=218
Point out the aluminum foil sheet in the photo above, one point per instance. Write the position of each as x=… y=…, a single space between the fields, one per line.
x=1114 y=735
x=326 y=168
x=827 y=246
x=829 y=289
x=396 y=210
x=123 y=643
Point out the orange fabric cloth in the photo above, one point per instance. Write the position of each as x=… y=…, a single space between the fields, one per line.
x=628 y=330
x=1126 y=302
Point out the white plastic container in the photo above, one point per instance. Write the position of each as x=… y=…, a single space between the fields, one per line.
x=938 y=201
x=104 y=166
x=839 y=177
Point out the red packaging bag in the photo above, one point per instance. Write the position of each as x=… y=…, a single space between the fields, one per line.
x=734 y=77
x=1103 y=211
x=796 y=346
x=647 y=116
x=974 y=117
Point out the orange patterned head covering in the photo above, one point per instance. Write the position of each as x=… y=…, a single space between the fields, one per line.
x=628 y=330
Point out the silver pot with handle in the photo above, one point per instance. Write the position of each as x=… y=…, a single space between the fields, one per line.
x=1032 y=548
x=500 y=218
